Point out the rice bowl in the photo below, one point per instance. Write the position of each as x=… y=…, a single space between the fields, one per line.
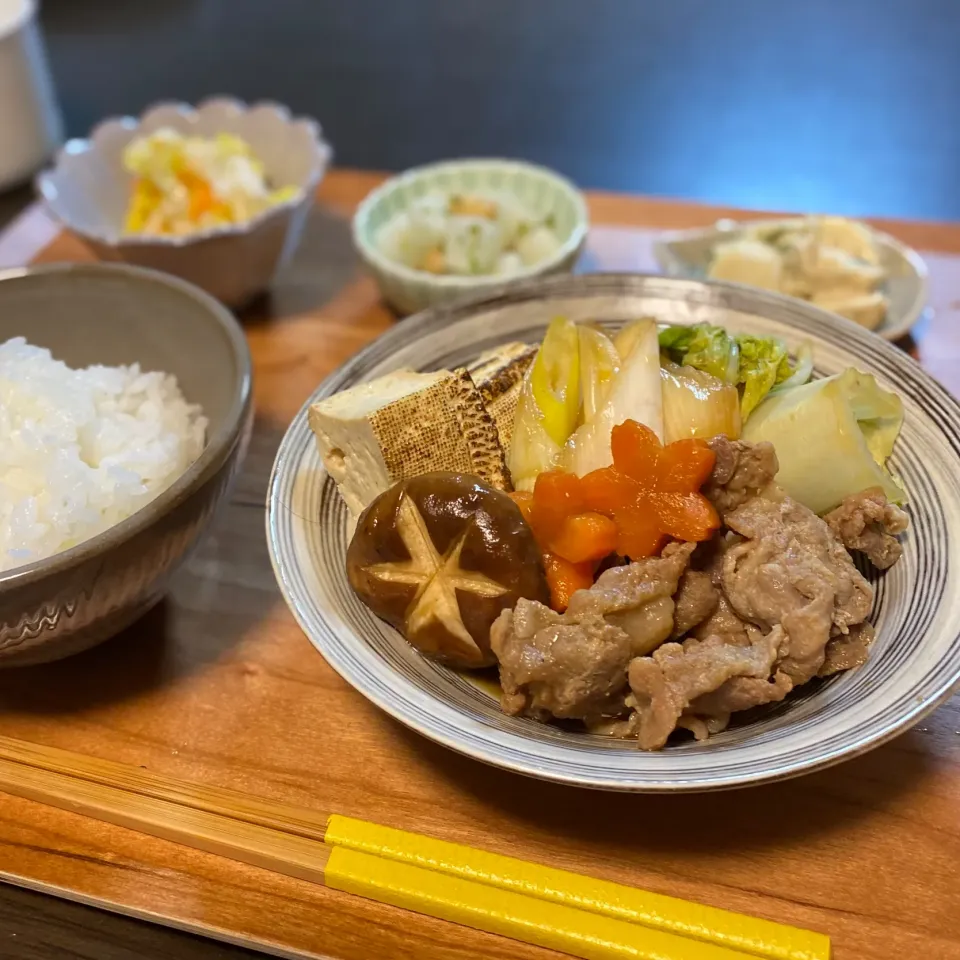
x=116 y=315
x=81 y=450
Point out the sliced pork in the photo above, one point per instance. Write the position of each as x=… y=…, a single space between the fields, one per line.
x=868 y=523
x=574 y=664
x=848 y=650
x=550 y=668
x=742 y=470
x=673 y=676
x=791 y=570
x=696 y=600
x=637 y=597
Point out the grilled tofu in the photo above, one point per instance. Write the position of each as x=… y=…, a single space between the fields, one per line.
x=499 y=375
x=402 y=425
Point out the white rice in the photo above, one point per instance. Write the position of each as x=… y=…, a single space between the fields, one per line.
x=81 y=450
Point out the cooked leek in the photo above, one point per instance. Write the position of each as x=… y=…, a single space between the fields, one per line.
x=629 y=335
x=832 y=438
x=555 y=379
x=548 y=407
x=599 y=363
x=634 y=394
x=532 y=451
x=696 y=404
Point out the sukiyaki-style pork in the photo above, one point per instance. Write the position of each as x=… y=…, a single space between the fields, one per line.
x=742 y=471
x=867 y=523
x=574 y=664
x=791 y=570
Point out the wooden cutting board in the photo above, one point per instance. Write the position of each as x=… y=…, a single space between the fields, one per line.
x=219 y=686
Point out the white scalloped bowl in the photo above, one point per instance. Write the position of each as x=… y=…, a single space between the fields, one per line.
x=87 y=190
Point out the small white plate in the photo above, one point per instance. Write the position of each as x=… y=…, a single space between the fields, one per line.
x=687 y=253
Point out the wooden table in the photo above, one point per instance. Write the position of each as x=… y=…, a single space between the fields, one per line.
x=218 y=685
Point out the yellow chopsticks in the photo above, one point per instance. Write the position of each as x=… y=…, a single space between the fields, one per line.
x=580 y=933
x=578 y=915
x=709 y=925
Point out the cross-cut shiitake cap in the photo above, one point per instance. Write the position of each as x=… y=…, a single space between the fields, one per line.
x=439 y=556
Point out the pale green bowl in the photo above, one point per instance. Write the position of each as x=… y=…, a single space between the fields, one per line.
x=543 y=192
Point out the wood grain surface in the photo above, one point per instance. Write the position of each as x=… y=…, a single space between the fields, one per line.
x=219 y=686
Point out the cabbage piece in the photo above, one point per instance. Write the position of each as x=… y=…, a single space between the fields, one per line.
x=634 y=394
x=696 y=404
x=802 y=370
x=705 y=347
x=832 y=438
x=763 y=364
x=755 y=364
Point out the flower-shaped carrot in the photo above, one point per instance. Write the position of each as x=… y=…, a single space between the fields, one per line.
x=572 y=544
x=652 y=491
x=649 y=494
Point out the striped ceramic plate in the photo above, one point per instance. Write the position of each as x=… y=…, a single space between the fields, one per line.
x=914 y=664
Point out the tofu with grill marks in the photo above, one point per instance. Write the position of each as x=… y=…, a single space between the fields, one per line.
x=402 y=425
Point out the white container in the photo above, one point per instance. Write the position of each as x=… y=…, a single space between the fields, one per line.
x=87 y=189
x=30 y=123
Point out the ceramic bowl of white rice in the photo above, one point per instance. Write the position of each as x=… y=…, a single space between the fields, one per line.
x=415 y=213
x=125 y=409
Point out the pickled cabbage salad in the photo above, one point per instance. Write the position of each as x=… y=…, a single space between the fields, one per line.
x=468 y=235
x=184 y=184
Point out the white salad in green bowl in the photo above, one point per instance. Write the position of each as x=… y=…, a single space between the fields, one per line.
x=443 y=231
x=469 y=235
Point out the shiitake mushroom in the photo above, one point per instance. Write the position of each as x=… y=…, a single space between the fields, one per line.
x=439 y=556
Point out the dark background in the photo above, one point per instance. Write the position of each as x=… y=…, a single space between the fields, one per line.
x=842 y=105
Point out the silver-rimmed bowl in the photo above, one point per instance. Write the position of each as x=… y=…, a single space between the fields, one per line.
x=913 y=665
x=88 y=191
x=116 y=314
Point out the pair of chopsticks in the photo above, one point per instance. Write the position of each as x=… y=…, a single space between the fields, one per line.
x=574 y=914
